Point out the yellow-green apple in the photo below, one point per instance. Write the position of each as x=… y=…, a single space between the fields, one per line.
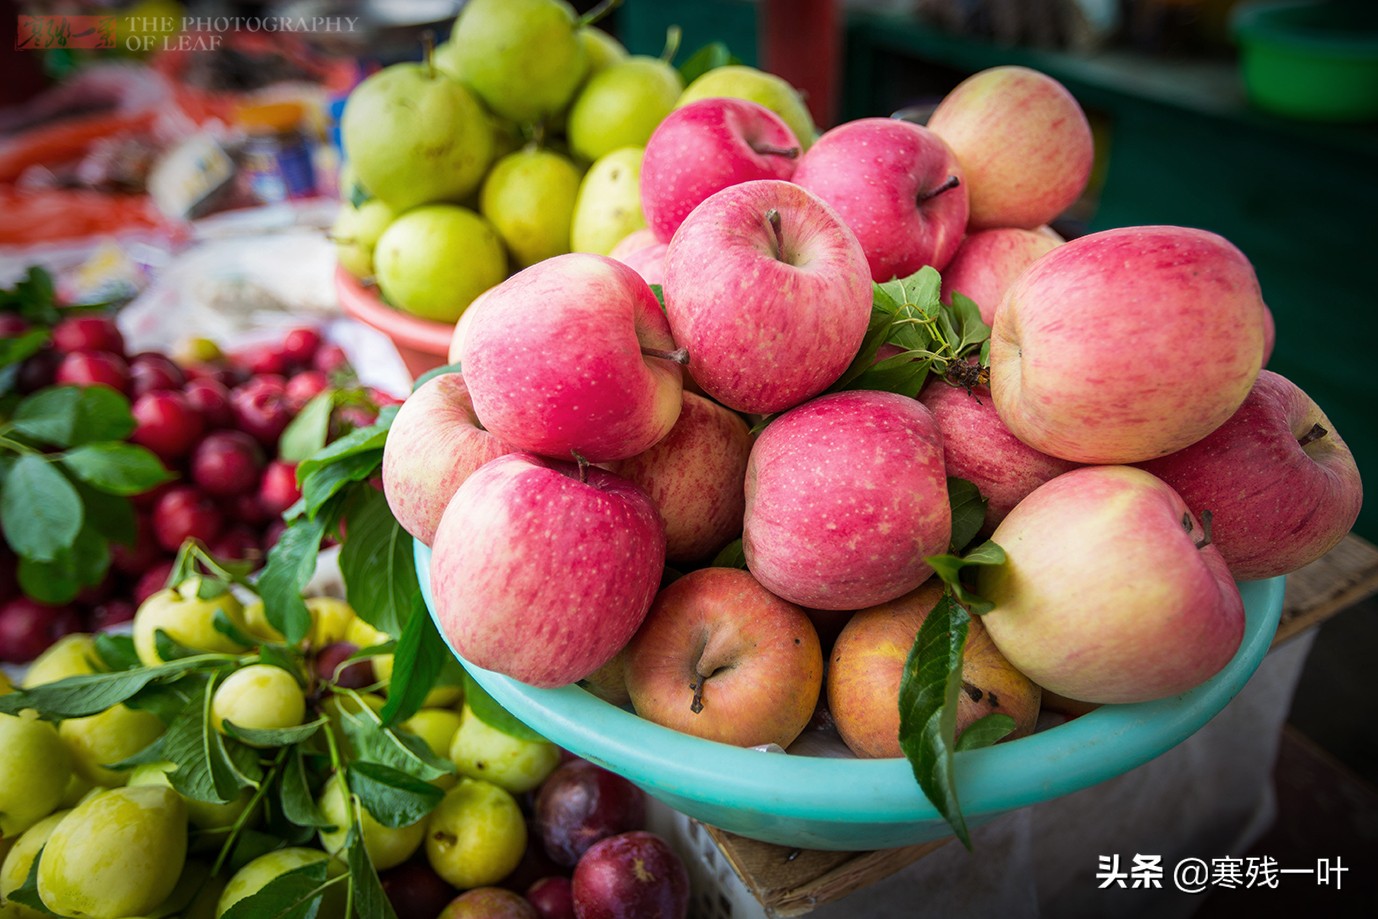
x=1127 y=344
x=721 y=657
x=897 y=186
x=979 y=448
x=695 y=476
x=573 y=355
x=609 y=682
x=621 y=105
x=867 y=665
x=1111 y=591
x=355 y=233
x=524 y=58
x=988 y=261
x=1024 y=144
x=413 y=136
x=542 y=569
x=1280 y=483
x=528 y=197
x=435 y=259
x=745 y=82
x=707 y=146
x=608 y=206
x=769 y=292
x=434 y=444
x=602 y=49
x=846 y=496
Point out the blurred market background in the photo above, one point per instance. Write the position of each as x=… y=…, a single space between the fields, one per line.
x=127 y=157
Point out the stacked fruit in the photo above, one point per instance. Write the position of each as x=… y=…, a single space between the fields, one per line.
x=216 y=425
x=529 y=144
x=204 y=762
x=1114 y=433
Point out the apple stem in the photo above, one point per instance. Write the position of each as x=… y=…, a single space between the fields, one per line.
x=428 y=52
x=597 y=13
x=678 y=356
x=583 y=465
x=1311 y=436
x=951 y=183
x=1205 y=539
x=772 y=150
x=673 y=35
x=776 y=244
x=696 y=705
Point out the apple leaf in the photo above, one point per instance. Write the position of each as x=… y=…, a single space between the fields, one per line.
x=985 y=731
x=66 y=416
x=359 y=440
x=275 y=737
x=420 y=656
x=710 y=57
x=115 y=651
x=660 y=295
x=13 y=350
x=40 y=511
x=26 y=894
x=950 y=568
x=370 y=900
x=291 y=563
x=377 y=565
x=731 y=555
x=294 y=894
x=307 y=433
x=297 y=803
x=929 y=686
x=92 y=693
x=117 y=468
x=401 y=750
x=394 y=798
x=968 y=512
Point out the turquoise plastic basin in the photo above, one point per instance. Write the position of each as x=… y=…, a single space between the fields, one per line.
x=852 y=804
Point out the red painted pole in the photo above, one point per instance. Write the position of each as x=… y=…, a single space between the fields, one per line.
x=801 y=42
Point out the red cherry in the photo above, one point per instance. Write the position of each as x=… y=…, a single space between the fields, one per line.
x=262 y=409
x=261 y=359
x=38 y=371
x=211 y=398
x=305 y=386
x=184 y=512
x=166 y=423
x=299 y=346
x=239 y=543
x=142 y=555
x=93 y=368
x=278 y=489
x=330 y=359
x=152 y=581
x=28 y=627
x=88 y=333
x=150 y=371
x=226 y=463
x=12 y=325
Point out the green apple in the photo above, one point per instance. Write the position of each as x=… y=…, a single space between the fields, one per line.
x=108 y=737
x=19 y=862
x=742 y=82
x=118 y=853
x=257 y=874
x=608 y=205
x=621 y=105
x=36 y=768
x=523 y=58
x=204 y=815
x=355 y=233
x=386 y=846
x=71 y=655
x=260 y=697
x=477 y=834
x=434 y=260
x=481 y=751
x=187 y=619
x=528 y=197
x=602 y=49
x=414 y=135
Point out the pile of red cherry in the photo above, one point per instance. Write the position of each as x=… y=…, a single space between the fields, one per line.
x=213 y=419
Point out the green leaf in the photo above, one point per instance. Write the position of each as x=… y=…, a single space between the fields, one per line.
x=394 y=798
x=659 y=292
x=291 y=564
x=169 y=648
x=433 y=373
x=278 y=737
x=327 y=481
x=67 y=416
x=203 y=772
x=167 y=700
x=111 y=515
x=115 y=651
x=710 y=57
x=92 y=693
x=360 y=440
x=298 y=804
x=928 y=709
x=968 y=512
x=13 y=350
x=985 y=731
x=117 y=468
x=222 y=623
x=402 y=751
x=950 y=569
x=40 y=511
x=294 y=894
x=420 y=654
x=370 y=900
x=26 y=894
x=731 y=555
x=377 y=565
x=83 y=564
x=307 y=433
x=490 y=711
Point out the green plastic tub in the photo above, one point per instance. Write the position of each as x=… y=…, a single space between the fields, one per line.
x=1316 y=61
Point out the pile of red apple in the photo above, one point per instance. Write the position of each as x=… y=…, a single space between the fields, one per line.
x=215 y=420
x=1136 y=458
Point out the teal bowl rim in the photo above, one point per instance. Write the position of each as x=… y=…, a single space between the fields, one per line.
x=1077 y=754
x=1260 y=26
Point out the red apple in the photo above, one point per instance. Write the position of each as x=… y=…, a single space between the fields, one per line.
x=572 y=355
x=1128 y=344
x=988 y=261
x=434 y=444
x=721 y=657
x=897 y=186
x=1110 y=592
x=1281 y=485
x=867 y=665
x=846 y=496
x=707 y=146
x=1024 y=144
x=695 y=477
x=769 y=292
x=542 y=570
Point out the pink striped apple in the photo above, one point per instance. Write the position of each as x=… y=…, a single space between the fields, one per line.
x=988 y=261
